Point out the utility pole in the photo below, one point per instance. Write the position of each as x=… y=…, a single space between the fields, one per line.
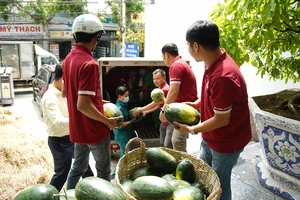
x=123 y=28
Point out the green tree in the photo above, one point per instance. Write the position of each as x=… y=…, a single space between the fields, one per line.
x=43 y=11
x=266 y=34
x=133 y=9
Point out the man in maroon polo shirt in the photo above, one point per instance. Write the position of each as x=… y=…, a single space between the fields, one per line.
x=225 y=117
x=89 y=128
x=183 y=87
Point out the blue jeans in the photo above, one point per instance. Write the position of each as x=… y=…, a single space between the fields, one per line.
x=101 y=154
x=166 y=132
x=62 y=150
x=222 y=164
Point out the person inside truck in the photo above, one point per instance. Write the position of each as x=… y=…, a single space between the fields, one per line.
x=165 y=129
x=144 y=85
x=125 y=133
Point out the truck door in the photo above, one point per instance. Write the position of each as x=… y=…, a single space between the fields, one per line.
x=9 y=57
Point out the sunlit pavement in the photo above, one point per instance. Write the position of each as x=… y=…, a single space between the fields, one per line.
x=245 y=184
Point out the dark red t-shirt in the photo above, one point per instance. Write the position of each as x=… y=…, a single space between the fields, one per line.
x=81 y=76
x=224 y=90
x=181 y=73
x=165 y=88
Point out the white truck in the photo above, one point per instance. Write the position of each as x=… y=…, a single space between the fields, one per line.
x=25 y=58
x=117 y=71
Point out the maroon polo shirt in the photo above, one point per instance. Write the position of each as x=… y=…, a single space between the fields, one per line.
x=224 y=90
x=81 y=76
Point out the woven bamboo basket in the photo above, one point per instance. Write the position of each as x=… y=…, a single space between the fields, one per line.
x=136 y=159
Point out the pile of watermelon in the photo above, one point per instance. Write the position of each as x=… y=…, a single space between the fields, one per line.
x=164 y=178
x=87 y=188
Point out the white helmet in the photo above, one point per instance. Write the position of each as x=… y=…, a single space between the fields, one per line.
x=87 y=23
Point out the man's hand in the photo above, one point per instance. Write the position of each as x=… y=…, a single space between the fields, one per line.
x=105 y=101
x=137 y=111
x=113 y=122
x=182 y=128
x=162 y=116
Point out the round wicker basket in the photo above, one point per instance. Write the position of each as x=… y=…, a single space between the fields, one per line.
x=136 y=159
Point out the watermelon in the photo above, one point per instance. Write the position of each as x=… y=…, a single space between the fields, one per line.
x=185 y=170
x=98 y=188
x=127 y=185
x=157 y=95
x=130 y=114
x=39 y=191
x=181 y=113
x=111 y=110
x=144 y=171
x=177 y=184
x=168 y=177
x=202 y=187
x=152 y=188
x=188 y=193
x=160 y=160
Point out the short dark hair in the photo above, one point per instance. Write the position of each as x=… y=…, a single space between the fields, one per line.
x=58 y=72
x=162 y=72
x=204 y=33
x=171 y=49
x=85 y=37
x=121 y=90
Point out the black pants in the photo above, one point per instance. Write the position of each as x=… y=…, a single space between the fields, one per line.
x=62 y=150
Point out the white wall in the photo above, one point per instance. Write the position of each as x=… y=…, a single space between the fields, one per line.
x=167 y=21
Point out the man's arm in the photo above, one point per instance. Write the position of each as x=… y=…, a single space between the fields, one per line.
x=171 y=97
x=86 y=106
x=173 y=92
x=51 y=109
x=217 y=121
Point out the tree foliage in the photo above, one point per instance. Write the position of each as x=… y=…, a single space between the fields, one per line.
x=133 y=9
x=266 y=34
x=43 y=11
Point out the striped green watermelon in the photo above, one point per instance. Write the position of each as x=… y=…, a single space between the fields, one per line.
x=130 y=114
x=160 y=160
x=190 y=193
x=98 y=188
x=152 y=188
x=181 y=113
x=111 y=110
x=157 y=95
x=39 y=191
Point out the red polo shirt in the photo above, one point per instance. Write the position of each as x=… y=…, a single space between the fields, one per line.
x=81 y=76
x=165 y=88
x=224 y=90
x=181 y=73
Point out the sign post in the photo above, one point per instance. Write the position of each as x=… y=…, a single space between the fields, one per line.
x=132 y=49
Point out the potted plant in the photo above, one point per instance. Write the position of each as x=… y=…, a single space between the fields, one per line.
x=266 y=34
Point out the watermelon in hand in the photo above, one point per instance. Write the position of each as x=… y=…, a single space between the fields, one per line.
x=181 y=113
x=111 y=110
x=130 y=114
x=157 y=95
